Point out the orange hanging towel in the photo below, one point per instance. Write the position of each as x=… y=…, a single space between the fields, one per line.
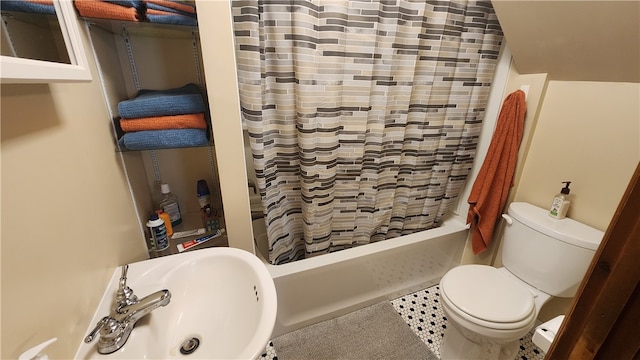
x=491 y=187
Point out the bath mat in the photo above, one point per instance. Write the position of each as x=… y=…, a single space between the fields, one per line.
x=375 y=332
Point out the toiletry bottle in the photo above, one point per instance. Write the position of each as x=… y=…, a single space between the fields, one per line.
x=169 y=204
x=167 y=221
x=158 y=232
x=561 y=202
x=207 y=213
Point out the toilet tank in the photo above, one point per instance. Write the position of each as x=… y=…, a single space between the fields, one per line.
x=550 y=254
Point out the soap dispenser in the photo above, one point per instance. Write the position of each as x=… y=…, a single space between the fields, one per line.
x=561 y=202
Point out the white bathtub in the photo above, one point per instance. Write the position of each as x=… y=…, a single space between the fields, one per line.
x=327 y=286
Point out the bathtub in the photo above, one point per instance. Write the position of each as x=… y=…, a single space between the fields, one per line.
x=331 y=285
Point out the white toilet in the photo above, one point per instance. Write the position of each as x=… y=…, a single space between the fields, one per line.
x=489 y=309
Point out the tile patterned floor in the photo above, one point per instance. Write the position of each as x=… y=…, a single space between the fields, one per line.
x=423 y=313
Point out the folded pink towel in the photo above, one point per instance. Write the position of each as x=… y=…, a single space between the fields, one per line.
x=186 y=121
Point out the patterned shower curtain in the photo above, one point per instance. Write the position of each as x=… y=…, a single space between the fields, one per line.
x=363 y=115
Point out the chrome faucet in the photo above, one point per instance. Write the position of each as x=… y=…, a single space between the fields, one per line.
x=127 y=309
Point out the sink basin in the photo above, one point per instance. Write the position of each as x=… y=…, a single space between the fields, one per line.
x=223 y=303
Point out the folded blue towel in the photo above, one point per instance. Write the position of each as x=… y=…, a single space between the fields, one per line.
x=138 y=4
x=27 y=6
x=163 y=139
x=178 y=101
x=174 y=19
x=154 y=6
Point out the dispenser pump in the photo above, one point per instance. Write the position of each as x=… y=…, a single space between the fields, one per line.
x=561 y=202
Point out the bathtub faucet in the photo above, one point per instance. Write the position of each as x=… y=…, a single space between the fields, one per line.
x=127 y=309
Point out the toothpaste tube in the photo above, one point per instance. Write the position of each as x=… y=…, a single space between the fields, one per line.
x=197 y=241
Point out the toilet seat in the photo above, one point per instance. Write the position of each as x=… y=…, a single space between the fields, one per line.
x=484 y=296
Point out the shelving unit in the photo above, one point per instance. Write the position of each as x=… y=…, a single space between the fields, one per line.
x=33 y=36
x=133 y=56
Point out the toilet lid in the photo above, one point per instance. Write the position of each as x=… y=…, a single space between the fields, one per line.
x=483 y=292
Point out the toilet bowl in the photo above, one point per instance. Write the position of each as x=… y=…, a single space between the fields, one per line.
x=489 y=309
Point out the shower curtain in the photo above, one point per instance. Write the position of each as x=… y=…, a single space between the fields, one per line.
x=363 y=115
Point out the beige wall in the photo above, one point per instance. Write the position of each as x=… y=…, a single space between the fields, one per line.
x=536 y=85
x=594 y=128
x=584 y=132
x=68 y=220
x=559 y=38
x=67 y=215
x=587 y=133
x=220 y=71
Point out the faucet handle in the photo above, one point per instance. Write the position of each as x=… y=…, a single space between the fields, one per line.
x=98 y=327
x=124 y=295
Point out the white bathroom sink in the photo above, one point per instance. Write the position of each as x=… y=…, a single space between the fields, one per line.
x=224 y=297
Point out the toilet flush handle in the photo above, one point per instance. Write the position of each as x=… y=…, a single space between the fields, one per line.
x=507 y=218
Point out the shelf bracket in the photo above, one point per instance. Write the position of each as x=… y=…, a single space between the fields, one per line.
x=132 y=62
